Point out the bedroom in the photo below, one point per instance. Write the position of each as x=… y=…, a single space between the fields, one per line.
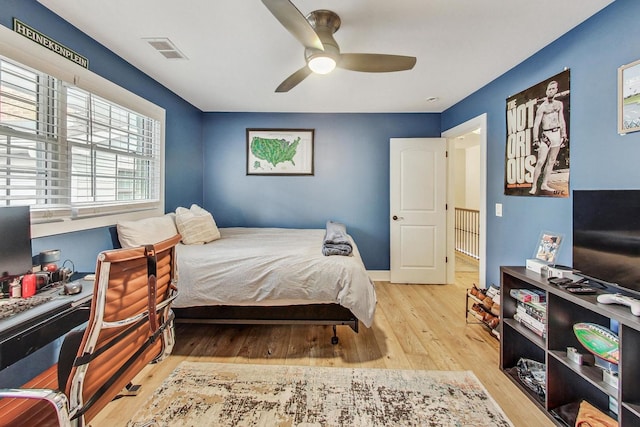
x=593 y=51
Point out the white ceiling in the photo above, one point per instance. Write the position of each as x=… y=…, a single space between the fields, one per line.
x=238 y=53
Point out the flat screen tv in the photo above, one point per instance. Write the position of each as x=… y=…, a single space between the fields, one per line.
x=606 y=237
x=15 y=241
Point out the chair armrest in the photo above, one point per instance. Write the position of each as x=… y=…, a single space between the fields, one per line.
x=57 y=400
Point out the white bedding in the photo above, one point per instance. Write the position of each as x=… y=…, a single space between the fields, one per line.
x=272 y=266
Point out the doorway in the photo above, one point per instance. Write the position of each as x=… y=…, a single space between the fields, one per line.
x=470 y=139
x=418 y=229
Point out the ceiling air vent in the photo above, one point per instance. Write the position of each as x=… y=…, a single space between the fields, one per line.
x=165 y=47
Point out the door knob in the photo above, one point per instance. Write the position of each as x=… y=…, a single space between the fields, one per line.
x=396 y=217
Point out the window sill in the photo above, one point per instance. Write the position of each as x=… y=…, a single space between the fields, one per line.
x=79 y=224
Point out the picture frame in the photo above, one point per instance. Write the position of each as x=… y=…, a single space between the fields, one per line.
x=629 y=98
x=548 y=247
x=280 y=151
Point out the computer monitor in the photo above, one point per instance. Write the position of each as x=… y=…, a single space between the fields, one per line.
x=15 y=241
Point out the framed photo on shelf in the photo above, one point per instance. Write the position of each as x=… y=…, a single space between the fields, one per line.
x=629 y=98
x=547 y=247
x=280 y=151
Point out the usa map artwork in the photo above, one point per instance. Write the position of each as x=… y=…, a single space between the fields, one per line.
x=273 y=151
x=279 y=152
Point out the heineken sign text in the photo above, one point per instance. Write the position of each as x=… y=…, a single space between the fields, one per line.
x=22 y=28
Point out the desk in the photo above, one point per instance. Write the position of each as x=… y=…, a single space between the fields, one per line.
x=25 y=332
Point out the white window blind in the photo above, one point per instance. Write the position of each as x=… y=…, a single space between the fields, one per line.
x=32 y=160
x=114 y=152
x=69 y=153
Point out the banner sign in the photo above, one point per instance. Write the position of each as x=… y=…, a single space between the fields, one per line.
x=537 y=148
x=44 y=41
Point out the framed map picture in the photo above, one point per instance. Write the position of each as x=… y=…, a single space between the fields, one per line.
x=280 y=151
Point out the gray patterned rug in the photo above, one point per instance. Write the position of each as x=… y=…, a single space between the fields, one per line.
x=210 y=394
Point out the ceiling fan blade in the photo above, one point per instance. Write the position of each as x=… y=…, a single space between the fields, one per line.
x=375 y=63
x=293 y=80
x=295 y=22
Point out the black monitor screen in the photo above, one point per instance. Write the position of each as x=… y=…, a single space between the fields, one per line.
x=15 y=241
x=606 y=236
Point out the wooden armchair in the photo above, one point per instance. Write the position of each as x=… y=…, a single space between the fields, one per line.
x=130 y=325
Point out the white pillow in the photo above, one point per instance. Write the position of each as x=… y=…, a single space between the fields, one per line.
x=196 y=225
x=147 y=231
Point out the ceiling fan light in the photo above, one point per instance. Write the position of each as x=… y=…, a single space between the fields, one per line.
x=322 y=64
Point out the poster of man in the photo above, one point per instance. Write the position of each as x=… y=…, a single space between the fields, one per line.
x=537 y=148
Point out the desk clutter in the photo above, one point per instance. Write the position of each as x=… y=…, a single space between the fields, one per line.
x=37 y=277
x=20 y=293
x=11 y=306
x=30 y=284
x=14 y=299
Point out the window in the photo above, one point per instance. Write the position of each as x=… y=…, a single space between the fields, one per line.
x=114 y=154
x=69 y=153
x=30 y=160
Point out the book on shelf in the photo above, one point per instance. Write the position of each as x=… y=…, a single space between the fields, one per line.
x=523 y=311
x=530 y=323
x=532 y=320
x=538 y=306
x=528 y=295
x=534 y=309
x=540 y=323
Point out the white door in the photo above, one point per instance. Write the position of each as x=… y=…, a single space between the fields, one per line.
x=418 y=215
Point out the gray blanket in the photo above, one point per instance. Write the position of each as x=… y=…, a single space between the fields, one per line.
x=336 y=241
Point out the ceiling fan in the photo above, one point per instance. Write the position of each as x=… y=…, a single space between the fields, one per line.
x=322 y=53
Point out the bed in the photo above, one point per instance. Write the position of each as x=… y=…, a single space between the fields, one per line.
x=271 y=276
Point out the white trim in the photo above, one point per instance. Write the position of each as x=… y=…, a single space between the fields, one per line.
x=379 y=275
x=462 y=129
x=25 y=51
x=69 y=226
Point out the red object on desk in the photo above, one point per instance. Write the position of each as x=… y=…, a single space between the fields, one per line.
x=50 y=267
x=28 y=285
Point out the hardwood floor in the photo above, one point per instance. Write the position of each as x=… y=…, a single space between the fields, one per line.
x=415 y=327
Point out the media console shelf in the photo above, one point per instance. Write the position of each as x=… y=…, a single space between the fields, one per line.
x=566 y=381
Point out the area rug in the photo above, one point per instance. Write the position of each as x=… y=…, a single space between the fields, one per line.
x=211 y=394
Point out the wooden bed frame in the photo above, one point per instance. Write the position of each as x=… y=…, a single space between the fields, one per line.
x=309 y=314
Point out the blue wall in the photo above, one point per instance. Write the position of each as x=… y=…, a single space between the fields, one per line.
x=183 y=132
x=350 y=183
x=600 y=158
x=351 y=163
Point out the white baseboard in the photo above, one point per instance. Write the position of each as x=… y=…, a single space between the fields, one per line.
x=379 y=275
x=384 y=276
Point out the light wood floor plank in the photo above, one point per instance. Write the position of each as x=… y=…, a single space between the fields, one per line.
x=396 y=310
x=387 y=343
x=369 y=354
x=415 y=327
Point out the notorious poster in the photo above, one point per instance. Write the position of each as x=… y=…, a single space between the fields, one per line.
x=537 y=149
